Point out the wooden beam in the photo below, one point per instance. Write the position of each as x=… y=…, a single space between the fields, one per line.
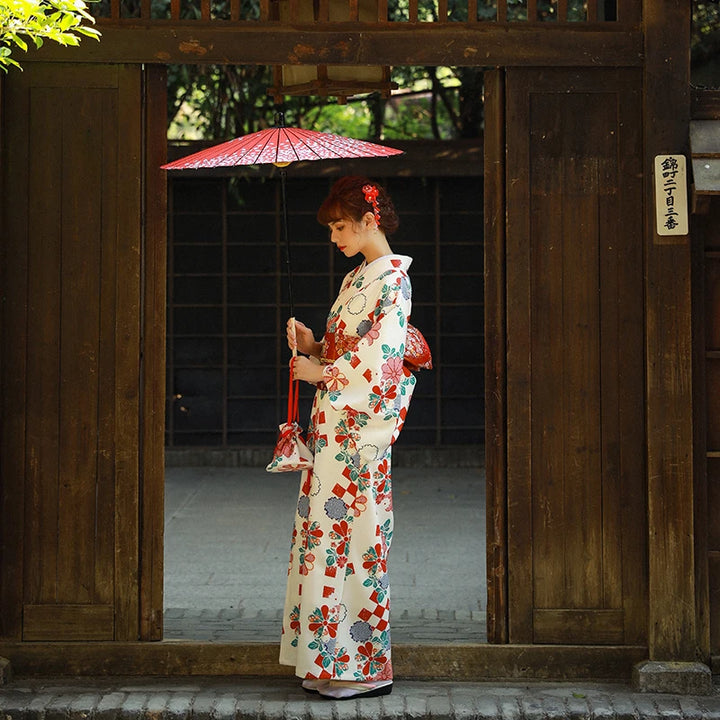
x=501 y=11
x=532 y=12
x=472 y=10
x=154 y=260
x=456 y=44
x=382 y=15
x=562 y=11
x=442 y=11
x=673 y=623
x=495 y=358
x=592 y=10
x=440 y=662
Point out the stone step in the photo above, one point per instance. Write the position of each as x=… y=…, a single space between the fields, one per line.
x=283 y=699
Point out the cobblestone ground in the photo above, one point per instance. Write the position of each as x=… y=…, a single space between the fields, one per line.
x=227 y=538
x=238 y=699
x=447 y=626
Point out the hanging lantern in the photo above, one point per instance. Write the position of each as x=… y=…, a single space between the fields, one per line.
x=341 y=81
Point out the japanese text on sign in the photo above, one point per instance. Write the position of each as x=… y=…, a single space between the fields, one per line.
x=671 y=206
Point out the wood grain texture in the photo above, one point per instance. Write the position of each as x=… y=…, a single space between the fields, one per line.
x=59 y=623
x=253 y=43
x=42 y=400
x=495 y=375
x=673 y=629
x=589 y=627
x=519 y=361
x=574 y=329
x=13 y=366
x=75 y=506
x=127 y=356
x=153 y=351
x=707 y=398
x=442 y=662
x=70 y=482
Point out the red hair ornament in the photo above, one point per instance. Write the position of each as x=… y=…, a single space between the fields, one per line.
x=371 y=196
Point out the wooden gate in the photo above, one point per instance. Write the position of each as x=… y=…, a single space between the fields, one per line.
x=83 y=287
x=573 y=509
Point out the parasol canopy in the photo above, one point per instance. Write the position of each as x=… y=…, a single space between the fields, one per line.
x=281 y=146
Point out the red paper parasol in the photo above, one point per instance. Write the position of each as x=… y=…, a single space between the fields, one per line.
x=281 y=146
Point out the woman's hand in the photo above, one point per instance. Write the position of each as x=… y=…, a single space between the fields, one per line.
x=302 y=338
x=304 y=368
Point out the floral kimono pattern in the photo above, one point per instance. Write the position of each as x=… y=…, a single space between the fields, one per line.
x=337 y=605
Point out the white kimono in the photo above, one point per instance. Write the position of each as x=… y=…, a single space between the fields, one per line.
x=337 y=605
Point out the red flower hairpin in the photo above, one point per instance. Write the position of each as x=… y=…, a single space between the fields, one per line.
x=371 y=196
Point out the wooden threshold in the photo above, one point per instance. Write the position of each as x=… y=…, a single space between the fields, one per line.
x=472 y=662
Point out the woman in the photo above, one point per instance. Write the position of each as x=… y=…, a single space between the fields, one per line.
x=336 y=629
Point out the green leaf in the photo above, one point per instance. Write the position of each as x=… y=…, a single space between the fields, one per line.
x=19 y=42
x=66 y=22
x=89 y=32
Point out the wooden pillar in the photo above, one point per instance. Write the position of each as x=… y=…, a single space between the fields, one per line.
x=673 y=632
x=495 y=353
x=153 y=375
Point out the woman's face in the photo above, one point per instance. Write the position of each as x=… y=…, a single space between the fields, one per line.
x=347 y=236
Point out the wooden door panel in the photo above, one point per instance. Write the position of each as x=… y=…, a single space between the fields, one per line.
x=564 y=386
x=42 y=342
x=69 y=623
x=576 y=498
x=72 y=483
x=578 y=627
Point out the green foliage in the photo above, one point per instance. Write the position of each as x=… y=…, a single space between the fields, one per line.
x=24 y=21
x=706 y=22
x=218 y=102
x=706 y=43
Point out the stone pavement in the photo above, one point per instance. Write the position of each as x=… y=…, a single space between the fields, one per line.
x=227 y=540
x=282 y=699
x=237 y=626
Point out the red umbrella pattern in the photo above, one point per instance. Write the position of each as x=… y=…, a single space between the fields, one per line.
x=280 y=145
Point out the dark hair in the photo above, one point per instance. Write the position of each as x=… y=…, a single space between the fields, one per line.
x=347 y=200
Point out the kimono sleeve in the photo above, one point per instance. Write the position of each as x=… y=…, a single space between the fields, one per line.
x=371 y=378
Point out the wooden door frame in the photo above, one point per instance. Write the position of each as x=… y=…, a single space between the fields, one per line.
x=495 y=360
x=669 y=469
x=678 y=576
x=154 y=324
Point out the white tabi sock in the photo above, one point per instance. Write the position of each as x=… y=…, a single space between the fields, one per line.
x=343 y=690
